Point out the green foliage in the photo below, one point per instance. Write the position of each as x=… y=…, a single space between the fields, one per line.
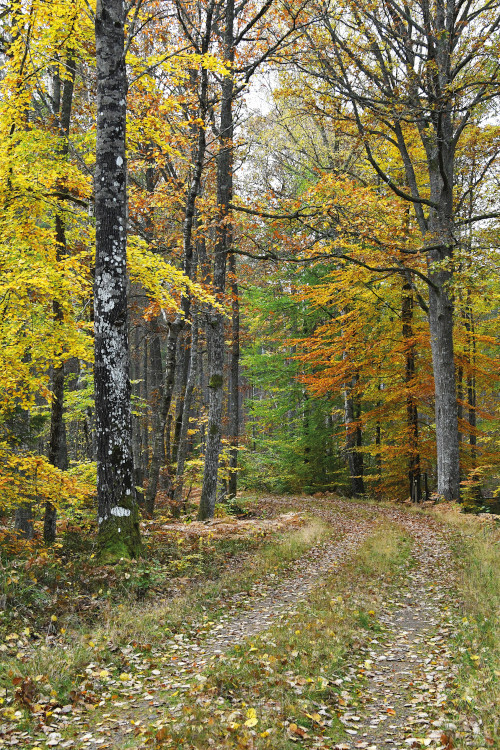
x=291 y=442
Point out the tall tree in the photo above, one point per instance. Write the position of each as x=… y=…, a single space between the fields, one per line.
x=215 y=318
x=417 y=72
x=117 y=508
x=62 y=101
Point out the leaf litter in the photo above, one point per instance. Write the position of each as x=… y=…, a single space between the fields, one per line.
x=402 y=679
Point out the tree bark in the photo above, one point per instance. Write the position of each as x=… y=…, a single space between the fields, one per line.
x=188 y=397
x=58 y=449
x=441 y=330
x=23 y=521
x=414 y=478
x=354 y=440
x=234 y=391
x=117 y=508
x=471 y=383
x=215 y=320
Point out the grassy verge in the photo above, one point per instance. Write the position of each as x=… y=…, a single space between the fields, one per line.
x=284 y=686
x=49 y=668
x=476 y=546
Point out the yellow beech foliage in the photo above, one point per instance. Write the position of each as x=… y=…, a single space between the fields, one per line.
x=27 y=477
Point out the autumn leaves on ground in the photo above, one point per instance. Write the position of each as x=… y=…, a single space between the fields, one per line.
x=301 y=622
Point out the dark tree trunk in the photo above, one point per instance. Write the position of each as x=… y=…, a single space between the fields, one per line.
x=137 y=416
x=23 y=521
x=145 y=419
x=234 y=392
x=460 y=398
x=354 y=439
x=471 y=384
x=117 y=508
x=160 y=427
x=183 y=358
x=58 y=449
x=215 y=320
x=156 y=401
x=188 y=397
x=414 y=478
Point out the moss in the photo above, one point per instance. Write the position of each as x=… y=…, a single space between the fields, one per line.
x=215 y=381
x=120 y=537
x=113 y=550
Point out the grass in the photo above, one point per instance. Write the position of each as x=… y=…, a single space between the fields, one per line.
x=52 y=662
x=476 y=547
x=284 y=686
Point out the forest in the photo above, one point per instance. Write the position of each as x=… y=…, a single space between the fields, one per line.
x=249 y=280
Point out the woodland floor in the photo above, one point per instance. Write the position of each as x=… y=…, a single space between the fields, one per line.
x=358 y=639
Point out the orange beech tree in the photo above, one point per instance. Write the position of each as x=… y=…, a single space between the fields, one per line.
x=413 y=78
x=325 y=208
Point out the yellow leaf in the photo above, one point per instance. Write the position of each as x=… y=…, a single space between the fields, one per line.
x=251 y=722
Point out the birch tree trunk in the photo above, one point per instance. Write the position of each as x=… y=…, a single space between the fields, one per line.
x=117 y=508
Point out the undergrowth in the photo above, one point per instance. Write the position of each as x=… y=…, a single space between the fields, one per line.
x=47 y=663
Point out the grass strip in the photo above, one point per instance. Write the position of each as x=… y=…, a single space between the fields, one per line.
x=475 y=543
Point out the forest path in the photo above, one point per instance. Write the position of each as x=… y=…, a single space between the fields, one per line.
x=246 y=615
x=405 y=671
x=408 y=671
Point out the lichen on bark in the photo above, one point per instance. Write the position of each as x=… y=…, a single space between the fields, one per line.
x=118 y=531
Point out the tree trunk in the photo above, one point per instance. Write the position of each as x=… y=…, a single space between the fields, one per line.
x=188 y=397
x=137 y=447
x=414 y=478
x=353 y=440
x=183 y=359
x=177 y=325
x=23 y=521
x=443 y=361
x=160 y=425
x=58 y=449
x=215 y=320
x=471 y=383
x=117 y=508
x=234 y=392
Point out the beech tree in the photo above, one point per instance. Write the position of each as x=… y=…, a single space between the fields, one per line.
x=117 y=507
x=414 y=76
